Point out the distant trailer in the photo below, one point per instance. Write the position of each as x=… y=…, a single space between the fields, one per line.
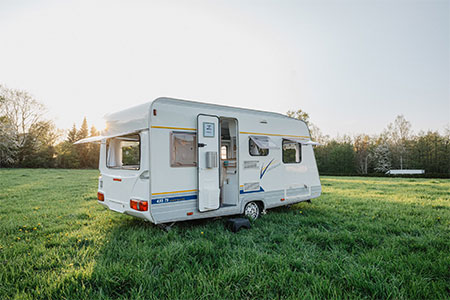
x=405 y=172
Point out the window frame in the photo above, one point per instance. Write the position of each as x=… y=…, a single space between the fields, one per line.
x=122 y=167
x=171 y=158
x=299 y=150
x=249 y=147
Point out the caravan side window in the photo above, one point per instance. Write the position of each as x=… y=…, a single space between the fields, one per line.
x=183 y=150
x=124 y=152
x=292 y=152
x=255 y=150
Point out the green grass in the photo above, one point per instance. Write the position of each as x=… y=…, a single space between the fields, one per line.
x=363 y=238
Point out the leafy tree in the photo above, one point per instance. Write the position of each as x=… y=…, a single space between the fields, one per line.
x=382 y=158
x=362 y=146
x=8 y=143
x=430 y=151
x=80 y=155
x=72 y=135
x=84 y=130
x=317 y=135
x=398 y=133
x=40 y=150
x=94 y=149
x=28 y=138
x=298 y=114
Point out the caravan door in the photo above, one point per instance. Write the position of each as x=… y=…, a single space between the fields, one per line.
x=208 y=162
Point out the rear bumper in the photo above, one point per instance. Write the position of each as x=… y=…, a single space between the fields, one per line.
x=124 y=208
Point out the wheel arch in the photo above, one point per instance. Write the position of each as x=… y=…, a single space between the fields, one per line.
x=259 y=202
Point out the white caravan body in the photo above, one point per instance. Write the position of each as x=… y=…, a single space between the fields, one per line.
x=196 y=160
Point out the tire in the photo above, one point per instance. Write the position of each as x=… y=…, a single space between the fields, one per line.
x=252 y=210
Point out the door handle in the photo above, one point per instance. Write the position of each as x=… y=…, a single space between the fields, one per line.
x=200 y=145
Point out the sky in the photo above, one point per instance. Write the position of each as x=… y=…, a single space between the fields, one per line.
x=352 y=65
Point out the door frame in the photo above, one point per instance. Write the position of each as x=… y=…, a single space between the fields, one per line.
x=238 y=155
x=198 y=161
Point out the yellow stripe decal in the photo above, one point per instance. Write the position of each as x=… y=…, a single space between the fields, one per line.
x=174 y=192
x=178 y=128
x=274 y=134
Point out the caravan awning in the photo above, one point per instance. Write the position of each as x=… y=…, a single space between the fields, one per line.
x=98 y=139
x=93 y=139
x=263 y=142
x=302 y=141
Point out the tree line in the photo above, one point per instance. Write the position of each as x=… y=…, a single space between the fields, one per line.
x=396 y=147
x=29 y=140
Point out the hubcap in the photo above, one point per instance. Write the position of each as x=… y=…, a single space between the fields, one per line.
x=252 y=210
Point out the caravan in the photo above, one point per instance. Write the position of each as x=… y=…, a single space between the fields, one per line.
x=172 y=160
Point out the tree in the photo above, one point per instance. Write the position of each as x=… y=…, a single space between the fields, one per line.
x=94 y=150
x=397 y=134
x=382 y=158
x=94 y=131
x=8 y=143
x=80 y=155
x=430 y=151
x=84 y=130
x=317 y=135
x=362 y=145
x=24 y=126
x=22 y=111
x=83 y=149
x=298 y=114
x=72 y=135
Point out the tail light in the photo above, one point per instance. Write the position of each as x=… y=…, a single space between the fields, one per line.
x=100 y=196
x=139 y=205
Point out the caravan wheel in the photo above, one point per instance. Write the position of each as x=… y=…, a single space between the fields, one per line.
x=252 y=210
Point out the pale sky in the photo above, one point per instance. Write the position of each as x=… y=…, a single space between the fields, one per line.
x=352 y=65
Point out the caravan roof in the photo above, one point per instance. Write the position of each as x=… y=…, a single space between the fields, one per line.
x=137 y=118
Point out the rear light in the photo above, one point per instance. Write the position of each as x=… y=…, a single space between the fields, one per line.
x=134 y=204
x=139 y=205
x=100 y=196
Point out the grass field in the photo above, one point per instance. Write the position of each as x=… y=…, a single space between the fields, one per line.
x=363 y=238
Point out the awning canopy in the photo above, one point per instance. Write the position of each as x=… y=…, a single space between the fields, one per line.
x=302 y=141
x=98 y=139
x=93 y=139
x=263 y=142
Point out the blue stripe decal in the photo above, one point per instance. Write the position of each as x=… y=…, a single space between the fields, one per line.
x=173 y=199
x=263 y=171
x=249 y=192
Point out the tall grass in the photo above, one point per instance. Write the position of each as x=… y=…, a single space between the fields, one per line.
x=363 y=238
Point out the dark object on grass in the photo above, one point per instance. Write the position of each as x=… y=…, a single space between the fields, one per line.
x=236 y=224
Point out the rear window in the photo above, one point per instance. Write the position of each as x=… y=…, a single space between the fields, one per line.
x=124 y=152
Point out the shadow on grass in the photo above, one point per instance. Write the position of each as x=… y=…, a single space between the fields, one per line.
x=306 y=251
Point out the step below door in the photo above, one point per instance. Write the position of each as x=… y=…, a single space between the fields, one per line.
x=208 y=162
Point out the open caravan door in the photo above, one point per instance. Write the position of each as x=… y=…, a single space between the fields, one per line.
x=208 y=162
